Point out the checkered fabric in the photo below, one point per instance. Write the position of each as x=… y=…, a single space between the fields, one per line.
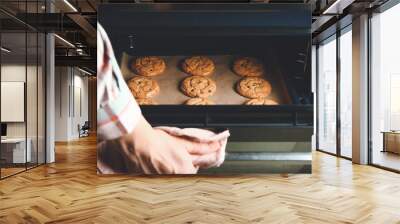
x=117 y=110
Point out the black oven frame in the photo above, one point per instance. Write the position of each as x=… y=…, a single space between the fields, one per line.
x=126 y=21
x=219 y=116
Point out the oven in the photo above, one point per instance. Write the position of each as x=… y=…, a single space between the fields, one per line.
x=269 y=138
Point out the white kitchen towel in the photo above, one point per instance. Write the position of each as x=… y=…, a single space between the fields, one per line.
x=204 y=136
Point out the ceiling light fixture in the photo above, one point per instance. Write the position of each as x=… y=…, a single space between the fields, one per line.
x=84 y=71
x=79 y=51
x=333 y=6
x=5 y=49
x=337 y=7
x=64 y=40
x=70 y=5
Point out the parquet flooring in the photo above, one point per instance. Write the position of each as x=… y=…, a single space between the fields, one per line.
x=11 y=170
x=69 y=191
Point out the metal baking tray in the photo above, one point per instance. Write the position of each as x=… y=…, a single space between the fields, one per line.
x=225 y=78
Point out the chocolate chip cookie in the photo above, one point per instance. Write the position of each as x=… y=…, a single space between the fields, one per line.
x=149 y=66
x=143 y=87
x=253 y=87
x=199 y=101
x=261 y=101
x=198 y=65
x=248 y=67
x=198 y=86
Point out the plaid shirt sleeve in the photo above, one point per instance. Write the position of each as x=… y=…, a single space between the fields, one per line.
x=117 y=110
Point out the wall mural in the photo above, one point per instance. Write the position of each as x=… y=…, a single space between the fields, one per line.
x=204 y=88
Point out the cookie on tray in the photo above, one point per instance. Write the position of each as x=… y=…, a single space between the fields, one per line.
x=199 y=101
x=253 y=87
x=198 y=86
x=261 y=101
x=145 y=101
x=248 y=67
x=149 y=66
x=143 y=87
x=198 y=65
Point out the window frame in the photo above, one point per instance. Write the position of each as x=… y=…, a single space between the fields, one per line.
x=337 y=35
x=378 y=10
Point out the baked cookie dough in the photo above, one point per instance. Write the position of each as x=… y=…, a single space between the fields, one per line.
x=261 y=101
x=145 y=101
x=198 y=65
x=248 y=67
x=198 y=86
x=199 y=101
x=149 y=65
x=143 y=87
x=253 y=87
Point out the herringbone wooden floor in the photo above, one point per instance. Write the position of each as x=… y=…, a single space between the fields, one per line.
x=69 y=191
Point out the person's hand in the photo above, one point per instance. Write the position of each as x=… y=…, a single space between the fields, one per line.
x=153 y=151
x=186 y=152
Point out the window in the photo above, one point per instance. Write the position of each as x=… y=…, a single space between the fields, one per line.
x=327 y=95
x=346 y=92
x=22 y=101
x=385 y=88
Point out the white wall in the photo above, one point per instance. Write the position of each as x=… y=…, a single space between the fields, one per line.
x=9 y=73
x=80 y=110
x=71 y=102
x=16 y=73
x=33 y=127
x=62 y=81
